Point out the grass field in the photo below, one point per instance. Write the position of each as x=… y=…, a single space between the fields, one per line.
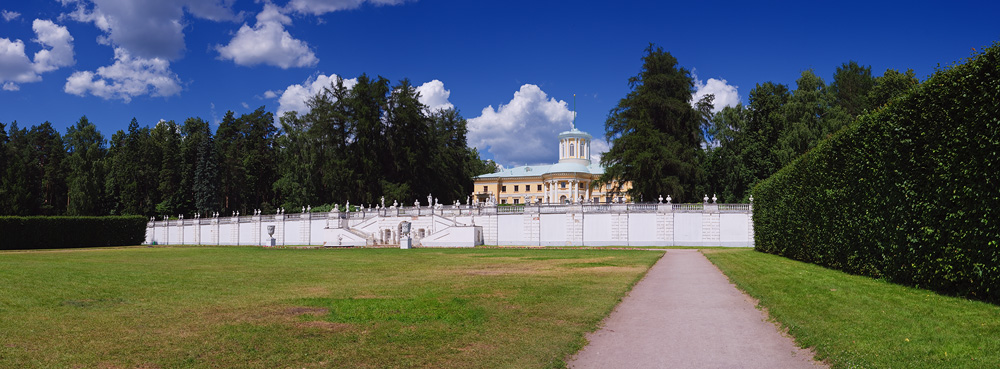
x=281 y=308
x=858 y=322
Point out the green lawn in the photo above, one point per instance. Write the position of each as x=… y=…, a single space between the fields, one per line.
x=270 y=308
x=858 y=322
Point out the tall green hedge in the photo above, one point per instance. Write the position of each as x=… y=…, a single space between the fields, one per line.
x=66 y=232
x=909 y=192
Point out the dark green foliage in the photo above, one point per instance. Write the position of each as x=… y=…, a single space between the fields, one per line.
x=889 y=85
x=655 y=133
x=133 y=171
x=749 y=144
x=85 y=169
x=19 y=187
x=65 y=232
x=851 y=86
x=206 y=177
x=47 y=156
x=354 y=145
x=167 y=136
x=908 y=193
x=245 y=150
x=370 y=141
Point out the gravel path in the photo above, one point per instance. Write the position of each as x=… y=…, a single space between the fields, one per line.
x=686 y=314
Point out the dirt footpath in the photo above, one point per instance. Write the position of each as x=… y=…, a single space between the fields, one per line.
x=686 y=314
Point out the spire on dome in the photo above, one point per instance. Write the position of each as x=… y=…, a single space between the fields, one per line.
x=572 y=125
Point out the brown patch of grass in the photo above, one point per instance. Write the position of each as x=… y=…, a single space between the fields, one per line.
x=312 y=291
x=476 y=347
x=499 y=270
x=325 y=325
x=304 y=310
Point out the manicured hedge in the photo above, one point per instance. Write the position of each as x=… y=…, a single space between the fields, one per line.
x=909 y=192
x=65 y=232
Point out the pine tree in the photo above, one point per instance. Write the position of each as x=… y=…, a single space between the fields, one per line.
x=655 y=133
x=85 y=175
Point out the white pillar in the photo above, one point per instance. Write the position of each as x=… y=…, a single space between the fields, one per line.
x=574 y=191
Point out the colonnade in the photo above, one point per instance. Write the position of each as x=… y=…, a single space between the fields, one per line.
x=553 y=192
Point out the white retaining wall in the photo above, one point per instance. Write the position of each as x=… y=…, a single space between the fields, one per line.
x=561 y=225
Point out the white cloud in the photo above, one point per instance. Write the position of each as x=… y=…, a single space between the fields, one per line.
x=320 y=7
x=14 y=64
x=57 y=52
x=522 y=131
x=128 y=77
x=9 y=15
x=147 y=28
x=294 y=97
x=245 y=105
x=60 y=43
x=725 y=94
x=270 y=94
x=268 y=43
x=434 y=95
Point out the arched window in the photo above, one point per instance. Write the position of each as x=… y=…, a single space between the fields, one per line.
x=571 y=152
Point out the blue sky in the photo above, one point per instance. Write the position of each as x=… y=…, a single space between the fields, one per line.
x=510 y=67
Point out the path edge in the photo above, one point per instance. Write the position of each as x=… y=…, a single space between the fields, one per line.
x=585 y=340
x=781 y=327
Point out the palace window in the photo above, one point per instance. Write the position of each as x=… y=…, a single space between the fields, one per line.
x=515 y=188
x=571 y=152
x=486 y=188
x=562 y=184
x=504 y=201
x=503 y=188
x=516 y=201
x=539 y=187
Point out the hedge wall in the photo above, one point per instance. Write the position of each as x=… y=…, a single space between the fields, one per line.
x=65 y=232
x=909 y=193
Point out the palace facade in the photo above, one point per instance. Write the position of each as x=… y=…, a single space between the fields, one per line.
x=568 y=181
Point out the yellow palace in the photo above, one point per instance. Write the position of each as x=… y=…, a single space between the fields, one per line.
x=568 y=181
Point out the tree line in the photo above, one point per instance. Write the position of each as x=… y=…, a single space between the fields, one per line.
x=665 y=145
x=353 y=145
x=376 y=139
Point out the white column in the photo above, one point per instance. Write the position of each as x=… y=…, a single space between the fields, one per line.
x=572 y=191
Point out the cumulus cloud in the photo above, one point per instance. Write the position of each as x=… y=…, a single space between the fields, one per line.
x=60 y=46
x=14 y=63
x=523 y=130
x=9 y=15
x=57 y=52
x=294 y=97
x=147 y=28
x=725 y=94
x=128 y=77
x=268 y=43
x=320 y=7
x=434 y=95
